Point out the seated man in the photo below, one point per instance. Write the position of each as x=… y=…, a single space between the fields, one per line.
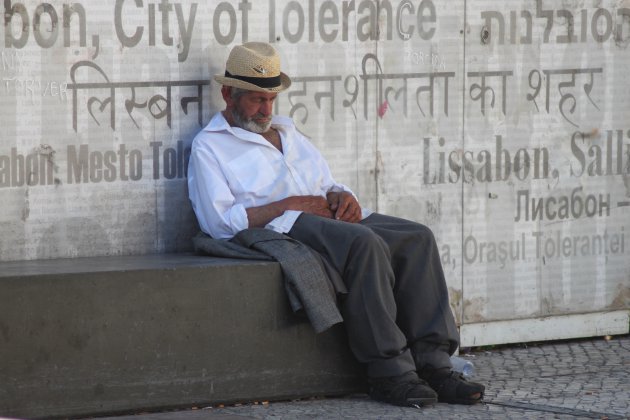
x=251 y=169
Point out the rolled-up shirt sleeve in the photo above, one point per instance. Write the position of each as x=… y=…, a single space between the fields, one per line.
x=214 y=204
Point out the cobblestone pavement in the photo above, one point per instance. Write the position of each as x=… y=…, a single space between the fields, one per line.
x=567 y=380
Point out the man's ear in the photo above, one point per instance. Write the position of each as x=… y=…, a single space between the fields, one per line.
x=226 y=92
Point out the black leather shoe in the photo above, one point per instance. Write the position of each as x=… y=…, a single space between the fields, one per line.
x=452 y=387
x=405 y=390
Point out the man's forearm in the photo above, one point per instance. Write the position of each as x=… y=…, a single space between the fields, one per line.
x=261 y=215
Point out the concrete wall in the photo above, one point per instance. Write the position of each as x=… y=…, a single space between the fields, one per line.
x=502 y=125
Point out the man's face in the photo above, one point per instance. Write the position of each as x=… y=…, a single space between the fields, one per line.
x=253 y=111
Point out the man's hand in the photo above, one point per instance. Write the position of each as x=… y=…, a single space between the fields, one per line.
x=344 y=206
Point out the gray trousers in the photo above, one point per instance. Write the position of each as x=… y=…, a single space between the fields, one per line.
x=396 y=309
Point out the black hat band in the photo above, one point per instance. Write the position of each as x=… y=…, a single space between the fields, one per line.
x=263 y=82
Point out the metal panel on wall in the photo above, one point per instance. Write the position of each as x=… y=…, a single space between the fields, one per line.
x=546 y=161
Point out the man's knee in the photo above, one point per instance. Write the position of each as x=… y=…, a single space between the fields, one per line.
x=414 y=236
x=424 y=232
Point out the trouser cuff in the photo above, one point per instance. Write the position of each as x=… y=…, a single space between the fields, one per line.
x=432 y=356
x=393 y=366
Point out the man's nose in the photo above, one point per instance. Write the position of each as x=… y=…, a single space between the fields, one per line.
x=266 y=108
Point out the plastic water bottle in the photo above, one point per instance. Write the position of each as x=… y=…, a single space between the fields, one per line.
x=465 y=367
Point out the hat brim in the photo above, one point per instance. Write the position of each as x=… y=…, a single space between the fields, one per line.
x=285 y=82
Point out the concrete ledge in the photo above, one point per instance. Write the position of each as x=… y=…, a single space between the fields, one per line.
x=108 y=334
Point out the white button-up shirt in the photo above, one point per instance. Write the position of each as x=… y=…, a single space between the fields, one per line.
x=232 y=169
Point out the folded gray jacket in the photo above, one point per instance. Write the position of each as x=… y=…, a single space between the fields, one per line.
x=310 y=282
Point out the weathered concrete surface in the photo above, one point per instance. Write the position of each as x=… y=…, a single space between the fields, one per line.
x=94 y=335
x=586 y=379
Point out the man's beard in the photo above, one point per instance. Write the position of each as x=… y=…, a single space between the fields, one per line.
x=250 y=124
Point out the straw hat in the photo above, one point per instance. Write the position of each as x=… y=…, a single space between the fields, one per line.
x=254 y=66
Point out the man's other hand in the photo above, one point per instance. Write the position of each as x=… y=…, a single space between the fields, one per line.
x=344 y=206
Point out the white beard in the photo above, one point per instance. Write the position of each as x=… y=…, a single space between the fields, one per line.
x=248 y=123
